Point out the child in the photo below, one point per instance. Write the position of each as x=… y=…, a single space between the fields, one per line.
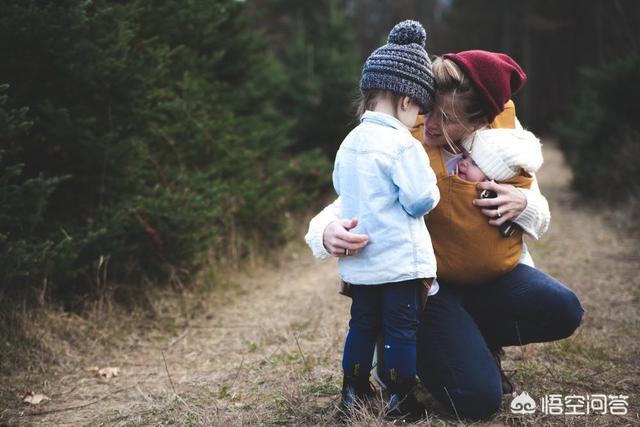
x=502 y=155
x=383 y=177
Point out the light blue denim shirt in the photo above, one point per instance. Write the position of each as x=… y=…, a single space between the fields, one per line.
x=383 y=178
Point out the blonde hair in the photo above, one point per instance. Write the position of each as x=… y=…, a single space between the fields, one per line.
x=450 y=80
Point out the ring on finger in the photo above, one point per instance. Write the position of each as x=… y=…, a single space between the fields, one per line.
x=346 y=252
x=498 y=212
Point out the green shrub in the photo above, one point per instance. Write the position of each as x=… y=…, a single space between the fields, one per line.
x=315 y=43
x=601 y=136
x=24 y=256
x=156 y=140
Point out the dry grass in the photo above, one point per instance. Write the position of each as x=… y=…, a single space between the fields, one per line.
x=264 y=348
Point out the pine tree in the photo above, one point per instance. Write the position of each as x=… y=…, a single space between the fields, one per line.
x=24 y=257
x=316 y=45
x=162 y=117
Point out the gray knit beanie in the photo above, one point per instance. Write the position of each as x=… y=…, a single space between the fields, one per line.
x=402 y=65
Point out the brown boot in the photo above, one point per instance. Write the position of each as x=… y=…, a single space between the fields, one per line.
x=402 y=401
x=355 y=388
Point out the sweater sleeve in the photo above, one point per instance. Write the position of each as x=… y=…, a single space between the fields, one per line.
x=316 y=228
x=535 y=218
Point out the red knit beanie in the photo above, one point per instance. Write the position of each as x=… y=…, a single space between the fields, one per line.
x=496 y=75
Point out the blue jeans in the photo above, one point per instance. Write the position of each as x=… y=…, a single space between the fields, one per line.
x=460 y=327
x=393 y=309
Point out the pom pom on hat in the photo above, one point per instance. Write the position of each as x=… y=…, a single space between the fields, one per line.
x=502 y=154
x=496 y=75
x=407 y=32
x=402 y=65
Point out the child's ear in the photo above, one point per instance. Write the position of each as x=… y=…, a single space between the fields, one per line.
x=405 y=103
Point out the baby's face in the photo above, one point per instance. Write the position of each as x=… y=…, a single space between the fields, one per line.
x=468 y=170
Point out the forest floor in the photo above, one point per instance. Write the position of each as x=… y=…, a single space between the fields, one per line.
x=263 y=347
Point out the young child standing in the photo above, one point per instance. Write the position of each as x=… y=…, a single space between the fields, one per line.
x=383 y=177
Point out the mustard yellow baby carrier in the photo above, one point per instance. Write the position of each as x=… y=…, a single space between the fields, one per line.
x=469 y=251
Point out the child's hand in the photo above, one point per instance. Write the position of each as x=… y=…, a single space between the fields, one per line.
x=340 y=242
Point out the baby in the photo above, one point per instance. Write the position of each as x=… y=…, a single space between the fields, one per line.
x=479 y=252
x=499 y=155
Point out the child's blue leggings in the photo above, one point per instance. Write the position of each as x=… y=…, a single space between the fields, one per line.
x=393 y=309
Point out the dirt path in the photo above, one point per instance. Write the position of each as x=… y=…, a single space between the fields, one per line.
x=270 y=353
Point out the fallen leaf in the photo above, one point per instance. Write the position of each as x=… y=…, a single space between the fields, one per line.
x=108 y=372
x=34 y=398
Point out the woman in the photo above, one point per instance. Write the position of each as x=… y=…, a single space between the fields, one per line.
x=463 y=328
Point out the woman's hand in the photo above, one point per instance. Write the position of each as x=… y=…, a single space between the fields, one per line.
x=510 y=202
x=339 y=241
